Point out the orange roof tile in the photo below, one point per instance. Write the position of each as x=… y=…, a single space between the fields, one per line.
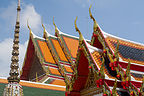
x=45 y=51
x=96 y=55
x=58 y=82
x=68 y=69
x=41 y=86
x=3 y=80
x=59 y=50
x=72 y=45
x=54 y=71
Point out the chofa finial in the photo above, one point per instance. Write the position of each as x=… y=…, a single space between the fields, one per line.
x=56 y=29
x=80 y=35
x=29 y=27
x=43 y=26
x=91 y=16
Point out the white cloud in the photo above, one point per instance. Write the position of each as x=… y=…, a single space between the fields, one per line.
x=5 y=56
x=8 y=16
x=28 y=12
x=34 y=19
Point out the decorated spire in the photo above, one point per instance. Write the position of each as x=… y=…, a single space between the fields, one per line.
x=14 y=72
x=13 y=88
x=80 y=35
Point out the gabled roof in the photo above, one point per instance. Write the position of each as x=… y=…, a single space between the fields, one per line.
x=47 y=50
x=69 y=41
x=105 y=63
x=46 y=59
x=70 y=61
x=127 y=49
x=85 y=54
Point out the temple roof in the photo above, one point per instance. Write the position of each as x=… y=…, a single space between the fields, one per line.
x=127 y=48
x=63 y=57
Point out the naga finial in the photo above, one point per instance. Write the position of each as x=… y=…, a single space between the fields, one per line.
x=80 y=35
x=91 y=16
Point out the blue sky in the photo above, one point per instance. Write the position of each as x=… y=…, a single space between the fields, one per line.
x=123 y=18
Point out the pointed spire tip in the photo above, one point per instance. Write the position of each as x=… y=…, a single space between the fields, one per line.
x=56 y=29
x=29 y=27
x=80 y=34
x=43 y=25
x=54 y=23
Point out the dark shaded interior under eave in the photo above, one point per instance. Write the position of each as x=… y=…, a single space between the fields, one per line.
x=131 y=53
x=30 y=91
x=123 y=93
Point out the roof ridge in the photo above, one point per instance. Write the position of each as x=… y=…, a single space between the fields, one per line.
x=35 y=36
x=48 y=34
x=107 y=34
x=60 y=32
x=93 y=48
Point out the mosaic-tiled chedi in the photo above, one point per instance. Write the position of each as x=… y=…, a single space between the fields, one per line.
x=105 y=66
x=13 y=87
